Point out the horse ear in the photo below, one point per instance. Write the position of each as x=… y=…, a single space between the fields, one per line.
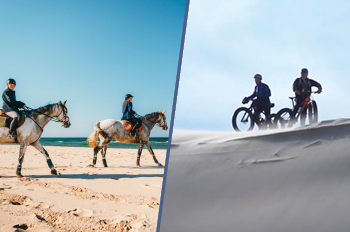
x=64 y=102
x=163 y=112
x=59 y=102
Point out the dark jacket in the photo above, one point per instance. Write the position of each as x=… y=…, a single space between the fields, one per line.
x=128 y=113
x=10 y=103
x=304 y=86
x=261 y=90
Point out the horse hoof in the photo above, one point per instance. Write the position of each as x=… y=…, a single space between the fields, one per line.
x=138 y=165
x=53 y=172
x=90 y=166
x=19 y=176
x=160 y=165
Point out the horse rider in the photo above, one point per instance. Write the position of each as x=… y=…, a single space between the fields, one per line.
x=129 y=114
x=11 y=105
x=302 y=89
x=262 y=94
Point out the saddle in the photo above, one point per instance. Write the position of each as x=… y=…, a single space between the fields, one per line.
x=128 y=126
x=5 y=120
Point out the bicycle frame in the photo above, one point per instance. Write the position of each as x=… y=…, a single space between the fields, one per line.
x=304 y=105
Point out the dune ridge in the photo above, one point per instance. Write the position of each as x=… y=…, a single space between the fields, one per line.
x=284 y=180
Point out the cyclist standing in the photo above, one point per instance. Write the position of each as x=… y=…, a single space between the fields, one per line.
x=262 y=94
x=302 y=89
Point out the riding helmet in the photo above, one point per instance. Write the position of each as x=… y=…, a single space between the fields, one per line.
x=258 y=76
x=11 y=81
x=127 y=96
x=304 y=70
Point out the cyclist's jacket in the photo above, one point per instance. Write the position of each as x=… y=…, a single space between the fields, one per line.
x=304 y=86
x=261 y=90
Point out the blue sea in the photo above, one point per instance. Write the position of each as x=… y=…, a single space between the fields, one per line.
x=156 y=143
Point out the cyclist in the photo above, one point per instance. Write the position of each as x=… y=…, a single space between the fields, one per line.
x=302 y=89
x=262 y=94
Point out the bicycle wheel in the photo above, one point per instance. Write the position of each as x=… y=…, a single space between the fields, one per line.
x=283 y=118
x=313 y=112
x=243 y=119
x=273 y=121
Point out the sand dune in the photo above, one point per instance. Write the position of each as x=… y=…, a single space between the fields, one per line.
x=269 y=181
x=121 y=197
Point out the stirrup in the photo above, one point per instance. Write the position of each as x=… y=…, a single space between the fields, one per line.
x=133 y=133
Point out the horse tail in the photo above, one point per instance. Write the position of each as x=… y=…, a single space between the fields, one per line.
x=93 y=138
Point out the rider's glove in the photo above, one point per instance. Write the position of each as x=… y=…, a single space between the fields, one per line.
x=245 y=100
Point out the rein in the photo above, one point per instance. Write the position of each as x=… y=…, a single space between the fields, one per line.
x=52 y=118
x=145 y=119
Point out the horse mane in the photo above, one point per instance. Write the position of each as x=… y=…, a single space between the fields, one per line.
x=41 y=109
x=46 y=108
x=151 y=115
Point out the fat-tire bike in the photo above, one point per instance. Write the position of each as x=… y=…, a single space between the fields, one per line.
x=308 y=108
x=244 y=119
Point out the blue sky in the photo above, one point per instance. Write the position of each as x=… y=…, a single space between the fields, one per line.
x=227 y=42
x=92 y=53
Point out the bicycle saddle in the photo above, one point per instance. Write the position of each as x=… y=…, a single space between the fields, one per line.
x=291 y=98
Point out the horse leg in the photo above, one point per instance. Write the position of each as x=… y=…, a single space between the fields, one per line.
x=103 y=153
x=40 y=148
x=103 y=147
x=22 y=150
x=139 y=153
x=96 y=150
x=152 y=153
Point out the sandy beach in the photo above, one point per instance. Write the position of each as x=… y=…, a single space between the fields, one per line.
x=121 y=197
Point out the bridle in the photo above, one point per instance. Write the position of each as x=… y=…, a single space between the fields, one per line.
x=53 y=118
x=143 y=119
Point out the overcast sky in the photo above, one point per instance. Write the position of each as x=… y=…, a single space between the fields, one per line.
x=92 y=53
x=227 y=42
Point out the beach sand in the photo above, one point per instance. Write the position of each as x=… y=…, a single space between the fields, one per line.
x=121 y=197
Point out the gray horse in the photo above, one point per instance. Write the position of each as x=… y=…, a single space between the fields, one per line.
x=31 y=130
x=110 y=129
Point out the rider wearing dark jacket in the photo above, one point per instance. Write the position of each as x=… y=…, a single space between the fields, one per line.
x=129 y=114
x=302 y=89
x=262 y=94
x=11 y=105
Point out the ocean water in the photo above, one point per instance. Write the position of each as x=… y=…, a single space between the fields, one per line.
x=156 y=143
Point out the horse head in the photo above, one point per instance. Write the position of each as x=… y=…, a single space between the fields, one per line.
x=162 y=120
x=62 y=115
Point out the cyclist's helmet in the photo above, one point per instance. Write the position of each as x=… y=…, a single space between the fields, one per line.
x=258 y=76
x=304 y=70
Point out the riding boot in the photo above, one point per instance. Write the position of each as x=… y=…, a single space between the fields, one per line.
x=13 y=127
x=133 y=131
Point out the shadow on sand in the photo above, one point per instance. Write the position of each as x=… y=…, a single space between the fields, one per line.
x=97 y=176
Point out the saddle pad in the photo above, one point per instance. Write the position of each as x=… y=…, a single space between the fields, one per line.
x=3 y=121
x=3 y=114
x=128 y=126
x=6 y=121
